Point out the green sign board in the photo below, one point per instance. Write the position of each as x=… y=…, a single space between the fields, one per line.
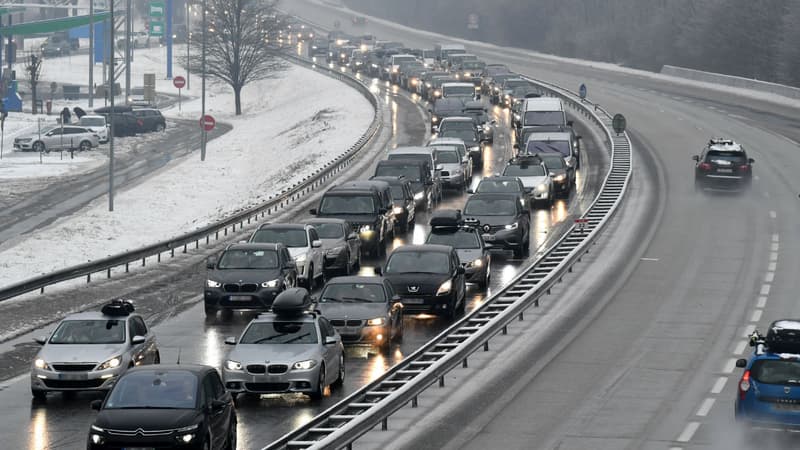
x=156 y=28
x=157 y=9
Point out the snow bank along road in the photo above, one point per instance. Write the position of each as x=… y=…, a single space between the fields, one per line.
x=653 y=368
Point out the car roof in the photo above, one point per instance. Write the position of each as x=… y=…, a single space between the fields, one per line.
x=401 y=180
x=403 y=162
x=438 y=248
x=560 y=136
x=254 y=246
x=457 y=119
x=369 y=184
x=494 y=196
x=294 y=226
x=356 y=279
x=445 y=140
x=95 y=315
x=271 y=317
x=458 y=84
x=543 y=104
x=410 y=151
x=500 y=178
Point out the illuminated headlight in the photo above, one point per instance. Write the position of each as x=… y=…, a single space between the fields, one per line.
x=445 y=287
x=112 y=363
x=187 y=438
x=560 y=177
x=376 y=321
x=358 y=63
x=512 y=226
x=394 y=70
x=427 y=85
x=575 y=144
x=486 y=127
x=365 y=228
x=434 y=119
x=541 y=188
x=41 y=364
x=497 y=89
x=233 y=365
x=475 y=149
x=437 y=93
x=477 y=263
x=458 y=76
x=374 y=66
x=398 y=210
x=271 y=283
x=304 y=365
x=413 y=81
x=213 y=284
x=419 y=195
x=300 y=258
x=96 y=438
x=343 y=56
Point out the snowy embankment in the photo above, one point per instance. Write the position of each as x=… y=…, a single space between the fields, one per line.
x=290 y=126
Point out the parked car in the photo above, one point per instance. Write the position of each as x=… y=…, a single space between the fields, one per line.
x=65 y=137
x=151 y=119
x=96 y=124
x=304 y=246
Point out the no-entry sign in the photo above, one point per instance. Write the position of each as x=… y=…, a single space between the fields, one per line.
x=179 y=82
x=208 y=122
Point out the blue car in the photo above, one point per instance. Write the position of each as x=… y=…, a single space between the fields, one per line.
x=769 y=391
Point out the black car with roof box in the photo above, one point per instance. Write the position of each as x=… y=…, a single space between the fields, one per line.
x=723 y=164
x=449 y=228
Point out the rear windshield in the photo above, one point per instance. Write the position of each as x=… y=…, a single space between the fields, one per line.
x=290 y=237
x=280 y=333
x=540 y=118
x=93 y=121
x=409 y=171
x=517 y=170
x=773 y=371
x=534 y=147
x=347 y=204
x=717 y=156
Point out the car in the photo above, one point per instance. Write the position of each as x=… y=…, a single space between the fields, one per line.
x=443 y=108
x=418 y=172
x=124 y=122
x=562 y=174
x=97 y=125
x=767 y=394
x=443 y=51
x=89 y=351
x=470 y=71
x=363 y=309
x=494 y=84
x=428 y=278
x=318 y=47
x=561 y=142
x=55 y=46
x=247 y=276
x=384 y=193
x=392 y=65
x=723 y=164
x=457 y=144
x=151 y=119
x=426 y=155
x=504 y=96
x=451 y=165
x=435 y=90
x=137 y=97
x=291 y=349
x=463 y=128
x=464 y=91
x=410 y=75
x=494 y=69
x=534 y=176
x=480 y=115
x=304 y=246
x=66 y=137
x=503 y=220
x=499 y=184
x=166 y=406
x=425 y=85
x=405 y=209
x=543 y=112
x=449 y=228
x=340 y=243
x=140 y=39
x=454 y=60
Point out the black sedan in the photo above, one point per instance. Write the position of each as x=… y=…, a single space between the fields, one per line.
x=176 y=406
x=428 y=278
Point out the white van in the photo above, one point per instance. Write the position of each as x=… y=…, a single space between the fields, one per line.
x=543 y=112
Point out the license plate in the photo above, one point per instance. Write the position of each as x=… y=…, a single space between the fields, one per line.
x=73 y=376
x=488 y=237
x=725 y=170
x=786 y=407
x=239 y=298
x=414 y=301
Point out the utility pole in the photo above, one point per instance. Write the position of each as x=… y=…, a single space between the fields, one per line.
x=128 y=50
x=91 y=53
x=111 y=115
x=188 y=42
x=203 y=88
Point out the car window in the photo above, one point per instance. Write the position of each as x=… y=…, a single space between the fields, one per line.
x=174 y=389
x=418 y=262
x=490 y=207
x=459 y=239
x=562 y=147
x=725 y=157
x=313 y=234
x=329 y=230
x=410 y=171
x=137 y=327
x=290 y=237
x=523 y=170
x=466 y=135
x=554 y=163
x=772 y=371
x=280 y=332
x=489 y=186
x=448 y=157
x=347 y=204
x=90 y=331
x=248 y=259
x=353 y=293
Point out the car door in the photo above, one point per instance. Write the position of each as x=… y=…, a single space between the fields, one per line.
x=218 y=419
x=330 y=353
x=352 y=241
x=461 y=279
x=316 y=252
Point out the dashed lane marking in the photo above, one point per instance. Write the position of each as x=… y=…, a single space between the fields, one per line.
x=761 y=302
x=705 y=407
x=773 y=256
x=775 y=238
x=774 y=246
x=688 y=432
x=756 y=315
x=769 y=277
x=740 y=347
x=773 y=214
x=765 y=289
x=729 y=366
x=719 y=385
x=772 y=266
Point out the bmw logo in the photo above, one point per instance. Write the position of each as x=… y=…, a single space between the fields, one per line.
x=487 y=228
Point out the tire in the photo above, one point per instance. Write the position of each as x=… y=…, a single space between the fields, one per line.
x=39 y=394
x=39 y=147
x=211 y=312
x=232 y=438
x=342 y=372
x=157 y=359
x=160 y=127
x=398 y=337
x=348 y=268
x=519 y=251
x=319 y=390
x=85 y=146
x=484 y=283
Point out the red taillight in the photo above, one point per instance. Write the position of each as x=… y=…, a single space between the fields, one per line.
x=744 y=168
x=705 y=166
x=744 y=384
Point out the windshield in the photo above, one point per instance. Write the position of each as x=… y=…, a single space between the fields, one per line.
x=457 y=125
x=353 y=293
x=553 y=163
x=98 y=331
x=478 y=114
x=465 y=135
x=248 y=259
x=471 y=65
x=490 y=186
x=460 y=239
x=175 y=389
x=511 y=84
x=562 y=147
x=290 y=237
x=418 y=262
x=347 y=204
x=772 y=371
x=462 y=150
x=280 y=333
x=404 y=59
x=460 y=91
x=93 y=121
x=411 y=172
x=540 y=118
x=490 y=207
x=329 y=230
x=448 y=157
x=524 y=170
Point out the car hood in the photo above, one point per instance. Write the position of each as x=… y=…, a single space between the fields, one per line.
x=426 y=283
x=244 y=276
x=532 y=182
x=355 y=219
x=362 y=311
x=294 y=252
x=492 y=220
x=469 y=254
x=332 y=243
x=274 y=353
x=146 y=419
x=67 y=353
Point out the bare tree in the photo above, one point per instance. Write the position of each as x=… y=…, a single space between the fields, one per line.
x=33 y=68
x=243 y=43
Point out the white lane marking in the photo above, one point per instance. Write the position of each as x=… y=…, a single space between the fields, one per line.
x=719 y=385
x=688 y=432
x=729 y=366
x=676 y=448
x=775 y=246
x=748 y=330
x=765 y=289
x=773 y=214
x=757 y=315
x=649 y=259
x=775 y=238
x=705 y=407
x=740 y=347
x=773 y=256
x=772 y=266
x=762 y=302
x=769 y=277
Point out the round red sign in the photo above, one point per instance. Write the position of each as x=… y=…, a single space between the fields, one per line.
x=179 y=82
x=208 y=122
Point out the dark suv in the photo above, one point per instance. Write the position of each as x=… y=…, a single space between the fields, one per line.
x=362 y=207
x=404 y=205
x=418 y=172
x=248 y=277
x=502 y=218
x=723 y=164
x=151 y=119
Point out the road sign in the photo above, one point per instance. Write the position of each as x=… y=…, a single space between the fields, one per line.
x=156 y=28
x=619 y=123
x=157 y=9
x=179 y=82
x=582 y=91
x=208 y=122
x=473 y=21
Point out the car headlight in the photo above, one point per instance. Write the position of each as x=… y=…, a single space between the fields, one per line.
x=477 y=263
x=541 y=188
x=427 y=85
x=445 y=287
x=41 y=364
x=233 y=365
x=560 y=177
x=213 y=284
x=512 y=226
x=97 y=439
x=419 y=195
x=300 y=258
x=394 y=70
x=497 y=89
x=187 y=438
x=365 y=228
x=271 y=283
x=187 y=434
x=304 y=365
x=398 y=210
x=112 y=363
x=434 y=119
x=376 y=321
x=437 y=93
x=475 y=148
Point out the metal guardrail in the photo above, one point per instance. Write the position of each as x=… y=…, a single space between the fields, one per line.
x=372 y=404
x=181 y=243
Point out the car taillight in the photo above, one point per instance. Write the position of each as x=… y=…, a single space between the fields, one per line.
x=744 y=168
x=744 y=384
x=705 y=166
x=139 y=122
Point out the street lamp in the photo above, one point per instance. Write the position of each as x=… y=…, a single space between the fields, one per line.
x=111 y=114
x=203 y=89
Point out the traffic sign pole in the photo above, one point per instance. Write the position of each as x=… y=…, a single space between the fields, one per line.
x=179 y=82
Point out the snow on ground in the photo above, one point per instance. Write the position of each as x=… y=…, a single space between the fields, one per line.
x=290 y=126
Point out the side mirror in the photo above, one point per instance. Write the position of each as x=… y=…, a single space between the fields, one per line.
x=352 y=236
x=488 y=246
x=316 y=244
x=460 y=270
x=470 y=191
x=138 y=340
x=96 y=405
x=230 y=340
x=313 y=211
x=696 y=158
x=217 y=406
x=41 y=340
x=477 y=96
x=211 y=263
x=330 y=340
x=290 y=265
x=751 y=160
x=741 y=363
x=552 y=174
x=493 y=122
x=378 y=271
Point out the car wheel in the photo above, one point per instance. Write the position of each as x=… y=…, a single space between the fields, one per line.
x=519 y=251
x=231 y=441
x=207 y=441
x=85 y=146
x=211 y=311
x=157 y=359
x=340 y=379
x=319 y=390
x=39 y=147
x=39 y=394
x=398 y=335
x=484 y=283
x=160 y=127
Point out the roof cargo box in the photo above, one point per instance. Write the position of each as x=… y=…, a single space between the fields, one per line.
x=292 y=302
x=783 y=336
x=446 y=218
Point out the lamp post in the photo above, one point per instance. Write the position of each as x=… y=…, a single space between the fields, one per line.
x=111 y=114
x=91 y=53
x=203 y=86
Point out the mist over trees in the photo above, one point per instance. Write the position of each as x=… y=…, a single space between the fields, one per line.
x=749 y=38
